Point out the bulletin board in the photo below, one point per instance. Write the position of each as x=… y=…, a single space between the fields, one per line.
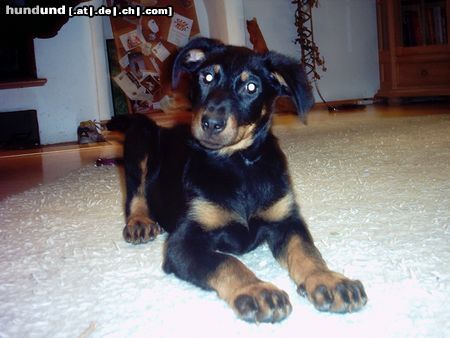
x=145 y=45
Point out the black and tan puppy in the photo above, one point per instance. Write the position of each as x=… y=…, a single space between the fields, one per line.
x=221 y=186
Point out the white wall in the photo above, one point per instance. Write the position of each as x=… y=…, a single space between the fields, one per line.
x=100 y=59
x=74 y=64
x=202 y=16
x=344 y=30
x=71 y=93
x=346 y=33
x=276 y=20
x=226 y=20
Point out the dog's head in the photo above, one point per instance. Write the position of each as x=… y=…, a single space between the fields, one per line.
x=233 y=90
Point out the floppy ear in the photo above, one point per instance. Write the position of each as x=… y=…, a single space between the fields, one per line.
x=291 y=80
x=191 y=57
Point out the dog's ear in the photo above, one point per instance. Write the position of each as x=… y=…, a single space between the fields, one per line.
x=291 y=79
x=191 y=57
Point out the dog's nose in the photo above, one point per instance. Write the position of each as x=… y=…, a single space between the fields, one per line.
x=213 y=124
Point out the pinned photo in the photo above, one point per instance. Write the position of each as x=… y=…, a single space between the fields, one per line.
x=151 y=83
x=137 y=65
x=160 y=51
x=130 y=40
x=180 y=30
x=155 y=65
x=141 y=106
x=149 y=29
x=131 y=87
x=124 y=62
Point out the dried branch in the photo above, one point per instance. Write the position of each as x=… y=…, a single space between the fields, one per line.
x=311 y=58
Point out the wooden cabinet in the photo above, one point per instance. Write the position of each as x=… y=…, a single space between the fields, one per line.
x=414 y=49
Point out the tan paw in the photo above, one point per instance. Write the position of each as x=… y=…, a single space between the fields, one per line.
x=141 y=230
x=261 y=302
x=333 y=292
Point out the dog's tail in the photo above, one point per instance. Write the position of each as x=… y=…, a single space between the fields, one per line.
x=123 y=123
x=129 y=126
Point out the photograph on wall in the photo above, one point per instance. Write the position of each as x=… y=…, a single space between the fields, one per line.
x=180 y=30
x=131 y=86
x=137 y=64
x=151 y=83
x=161 y=52
x=130 y=40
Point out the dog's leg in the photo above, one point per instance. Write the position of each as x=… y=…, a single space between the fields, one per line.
x=251 y=299
x=293 y=246
x=327 y=290
x=139 y=228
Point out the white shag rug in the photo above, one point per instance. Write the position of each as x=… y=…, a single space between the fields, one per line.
x=375 y=192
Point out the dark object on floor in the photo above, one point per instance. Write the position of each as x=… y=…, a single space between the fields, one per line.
x=19 y=130
x=89 y=132
x=346 y=107
x=108 y=161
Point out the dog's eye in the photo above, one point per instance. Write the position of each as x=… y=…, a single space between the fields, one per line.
x=208 y=77
x=251 y=87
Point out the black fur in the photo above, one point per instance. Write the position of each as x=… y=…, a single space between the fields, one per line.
x=232 y=90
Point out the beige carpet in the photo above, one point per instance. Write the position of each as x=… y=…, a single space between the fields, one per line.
x=376 y=193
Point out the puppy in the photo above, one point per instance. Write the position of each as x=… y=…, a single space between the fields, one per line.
x=220 y=187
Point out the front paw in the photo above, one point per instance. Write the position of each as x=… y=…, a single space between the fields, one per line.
x=261 y=302
x=333 y=292
x=141 y=230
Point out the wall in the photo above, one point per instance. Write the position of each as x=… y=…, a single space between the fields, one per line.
x=277 y=23
x=225 y=20
x=72 y=93
x=344 y=30
x=77 y=89
x=346 y=33
x=74 y=62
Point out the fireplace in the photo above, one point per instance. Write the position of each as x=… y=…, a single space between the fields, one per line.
x=19 y=130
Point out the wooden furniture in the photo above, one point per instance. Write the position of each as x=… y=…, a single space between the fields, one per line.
x=414 y=49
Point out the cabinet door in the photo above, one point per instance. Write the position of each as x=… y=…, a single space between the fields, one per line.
x=423 y=22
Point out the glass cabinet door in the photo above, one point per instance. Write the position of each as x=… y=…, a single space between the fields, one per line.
x=423 y=22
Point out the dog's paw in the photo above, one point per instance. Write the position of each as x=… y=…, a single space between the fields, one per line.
x=333 y=292
x=141 y=230
x=262 y=302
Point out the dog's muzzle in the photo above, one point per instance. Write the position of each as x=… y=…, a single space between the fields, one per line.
x=214 y=127
x=213 y=124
